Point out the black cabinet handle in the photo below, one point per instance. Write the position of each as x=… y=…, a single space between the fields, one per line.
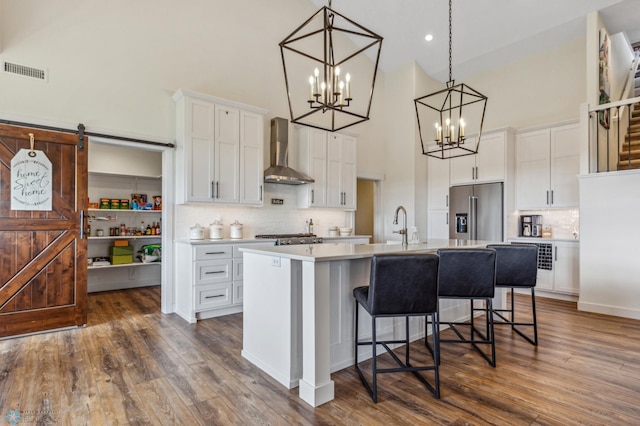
x=213 y=297
x=214 y=272
x=215 y=252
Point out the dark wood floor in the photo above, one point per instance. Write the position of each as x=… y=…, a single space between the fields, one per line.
x=134 y=365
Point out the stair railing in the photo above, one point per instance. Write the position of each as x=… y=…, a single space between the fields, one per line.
x=609 y=125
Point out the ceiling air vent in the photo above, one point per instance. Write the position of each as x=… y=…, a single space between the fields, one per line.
x=24 y=71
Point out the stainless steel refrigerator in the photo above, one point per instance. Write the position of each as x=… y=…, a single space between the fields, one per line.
x=476 y=212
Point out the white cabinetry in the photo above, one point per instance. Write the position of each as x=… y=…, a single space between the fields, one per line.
x=488 y=165
x=547 y=165
x=210 y=279
x=437 y=198
x=126 y=275
x=219 y=157
x=330 y=159
x=312 y=159
x=566 y=256
x=558 y=266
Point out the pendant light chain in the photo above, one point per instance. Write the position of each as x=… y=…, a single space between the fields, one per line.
x=450 y=37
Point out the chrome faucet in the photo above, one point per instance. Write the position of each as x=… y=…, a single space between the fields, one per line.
x=403 y=231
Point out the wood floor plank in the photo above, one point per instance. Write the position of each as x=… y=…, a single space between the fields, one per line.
x=12 y=373
x=164 y=404
x=120 y=402
x=214 y=412
x=79 y=392
x=134 y=365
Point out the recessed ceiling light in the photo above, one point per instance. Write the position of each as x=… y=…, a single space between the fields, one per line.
x=428 y=37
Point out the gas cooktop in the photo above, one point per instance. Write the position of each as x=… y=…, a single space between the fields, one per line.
x=290 y=239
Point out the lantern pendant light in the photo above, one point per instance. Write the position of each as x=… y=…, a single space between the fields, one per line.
x=458 y=113
x=337 y=88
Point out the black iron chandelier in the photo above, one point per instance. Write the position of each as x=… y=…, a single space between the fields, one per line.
x=330 y=49
x=449 y=137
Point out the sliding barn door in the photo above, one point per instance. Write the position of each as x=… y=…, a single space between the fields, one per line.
x=43 y=256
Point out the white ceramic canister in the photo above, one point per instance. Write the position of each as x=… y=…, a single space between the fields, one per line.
x=196 y=232
x=216 y=230
x=236 y=230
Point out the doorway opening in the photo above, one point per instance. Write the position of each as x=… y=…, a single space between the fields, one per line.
x=137 y=165
x=367 y=217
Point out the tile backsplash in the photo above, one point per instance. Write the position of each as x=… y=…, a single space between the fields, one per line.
x=565 y=224
x=268 y=219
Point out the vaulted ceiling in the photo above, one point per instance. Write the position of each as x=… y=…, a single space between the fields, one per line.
x=486 y=33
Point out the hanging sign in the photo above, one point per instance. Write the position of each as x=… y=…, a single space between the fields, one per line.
x=31 y=180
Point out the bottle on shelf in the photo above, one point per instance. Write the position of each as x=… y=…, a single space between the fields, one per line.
x=148 y=230
x=311 y=226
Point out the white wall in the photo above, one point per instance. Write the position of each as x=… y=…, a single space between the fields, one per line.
x=544 y=88
x=399 y=149
x=609 y=272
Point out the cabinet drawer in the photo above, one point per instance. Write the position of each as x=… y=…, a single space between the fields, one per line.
x=214 y=251
x=213 y=296
x=213 y=271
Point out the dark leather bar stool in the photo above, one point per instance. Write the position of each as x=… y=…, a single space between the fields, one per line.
x=400 y=285
x=469 y=273
x=517 y=268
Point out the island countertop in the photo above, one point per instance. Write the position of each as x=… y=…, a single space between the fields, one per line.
x=345 y=251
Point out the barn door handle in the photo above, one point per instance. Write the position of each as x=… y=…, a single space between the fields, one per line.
x=81 y=224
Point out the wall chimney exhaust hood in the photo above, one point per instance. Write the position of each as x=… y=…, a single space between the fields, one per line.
x=280 y=172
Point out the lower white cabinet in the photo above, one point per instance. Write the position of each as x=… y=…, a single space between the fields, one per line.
x=558 y=267
x=209 y=278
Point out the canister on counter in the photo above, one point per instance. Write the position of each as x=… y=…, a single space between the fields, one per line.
x=124 y=204
x=115 y=204
x=105 y=203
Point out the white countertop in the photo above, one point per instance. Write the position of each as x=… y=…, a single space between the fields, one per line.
x=226 y=241
x=258 y=240
x=343 y=251
x=543 y=240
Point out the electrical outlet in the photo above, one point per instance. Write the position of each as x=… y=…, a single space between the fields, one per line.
x=275 y=261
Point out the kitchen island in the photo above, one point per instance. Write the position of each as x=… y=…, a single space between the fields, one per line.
x=299 y=309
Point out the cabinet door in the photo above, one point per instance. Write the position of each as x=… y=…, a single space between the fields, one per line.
x=565 y=166
x=463 y=169
x=198 y=164
x=566 y=267
x=251 y=158
x=227 y=155
x=437 y=183
x=532 y=170
x=438 y=224
x=490 y=159
x=312 y=160
x=318 y=167
x=348 y=183
x=334 y=170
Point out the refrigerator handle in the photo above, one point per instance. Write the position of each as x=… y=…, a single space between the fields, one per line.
x=473 y=210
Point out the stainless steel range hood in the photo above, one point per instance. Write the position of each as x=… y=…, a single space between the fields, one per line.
x=280 y=172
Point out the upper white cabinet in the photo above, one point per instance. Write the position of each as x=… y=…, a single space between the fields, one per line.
x=437 y=183
x=330 y=159
x=547 y=165
x=219 y=155
x=312 y=160
x=488 y=165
